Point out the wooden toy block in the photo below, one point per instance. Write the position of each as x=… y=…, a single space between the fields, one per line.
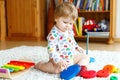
x=110 y=68
x=15 y=68
x=113 y=78
x=4 y=73
x=117 y=70
x=88 y=74
x=103 y=73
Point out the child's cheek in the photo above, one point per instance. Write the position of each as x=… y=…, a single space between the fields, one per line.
x=70 y=27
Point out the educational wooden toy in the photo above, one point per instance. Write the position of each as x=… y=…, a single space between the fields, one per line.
x=88 y=74
x=103 y=73
x=113 y=78
x=117 y=70
x=83 y=68
x=13 y=67
x=70 y=72
x=4 y=73
x=110 y=68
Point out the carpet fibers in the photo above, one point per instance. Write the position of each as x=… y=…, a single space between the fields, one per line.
x=38 y=53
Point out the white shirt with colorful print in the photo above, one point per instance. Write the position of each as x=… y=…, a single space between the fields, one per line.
x=61 y=46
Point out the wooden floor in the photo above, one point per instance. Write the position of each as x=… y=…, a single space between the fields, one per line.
x=92 y=46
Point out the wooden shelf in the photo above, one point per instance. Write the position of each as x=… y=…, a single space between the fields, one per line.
x=93 y=11
x=108 y=14
x=98 y=16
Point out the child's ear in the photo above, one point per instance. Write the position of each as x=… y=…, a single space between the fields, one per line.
x=55 y=19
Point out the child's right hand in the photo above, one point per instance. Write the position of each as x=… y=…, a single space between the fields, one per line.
x=62 y=64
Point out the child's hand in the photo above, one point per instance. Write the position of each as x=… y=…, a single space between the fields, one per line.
x=62 y=64
x=81 y=50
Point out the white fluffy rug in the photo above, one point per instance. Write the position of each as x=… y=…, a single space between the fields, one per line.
x=38 y=53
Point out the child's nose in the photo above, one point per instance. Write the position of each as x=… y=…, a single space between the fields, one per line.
x=67 y=25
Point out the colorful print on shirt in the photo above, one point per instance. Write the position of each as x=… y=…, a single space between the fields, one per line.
x=61 y=46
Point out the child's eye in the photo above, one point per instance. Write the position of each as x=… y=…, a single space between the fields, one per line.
x=70 y=23
x=65 y=22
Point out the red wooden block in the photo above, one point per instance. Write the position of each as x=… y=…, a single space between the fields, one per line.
x=88 y=74
x=22 y=63
x=103 y=73
x=83 y=68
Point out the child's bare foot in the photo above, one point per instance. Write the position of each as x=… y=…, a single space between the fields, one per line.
x=38 y=65
x=48 y=67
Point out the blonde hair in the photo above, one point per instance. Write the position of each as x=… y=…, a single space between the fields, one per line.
x=66 y=9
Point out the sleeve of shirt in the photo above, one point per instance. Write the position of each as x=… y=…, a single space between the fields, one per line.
x=77 y=47
x=52 y=47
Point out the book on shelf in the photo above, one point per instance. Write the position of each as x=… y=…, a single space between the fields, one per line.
x=80 y=24
x=77 y=26
x=77 y=3
x=107 y=4
x=88 y=5
x=93 y=5
x=75 y=29
x=101 y=5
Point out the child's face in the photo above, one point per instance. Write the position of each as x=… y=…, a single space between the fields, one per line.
x=64 y=23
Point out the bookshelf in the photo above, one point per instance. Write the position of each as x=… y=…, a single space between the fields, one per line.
x=108 y=13
x=98 y=15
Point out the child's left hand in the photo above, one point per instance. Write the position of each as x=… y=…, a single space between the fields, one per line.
x=81 y=50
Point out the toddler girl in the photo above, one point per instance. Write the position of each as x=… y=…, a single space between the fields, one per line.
x=62 y=48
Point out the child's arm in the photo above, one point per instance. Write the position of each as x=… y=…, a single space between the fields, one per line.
x=53 y=53
x=80 y=49
x=52 y=47
x=77 y=47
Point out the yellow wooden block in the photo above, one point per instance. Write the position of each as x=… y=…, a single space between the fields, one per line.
x=14 y=66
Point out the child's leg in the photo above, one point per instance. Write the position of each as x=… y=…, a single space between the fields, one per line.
x=48 y=67
x=81 y=59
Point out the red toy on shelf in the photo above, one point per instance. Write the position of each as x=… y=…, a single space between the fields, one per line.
x=90 y=25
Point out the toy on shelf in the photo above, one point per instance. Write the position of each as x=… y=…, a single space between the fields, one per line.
x=104 y=25
x=13 y=67
x=90 y=25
